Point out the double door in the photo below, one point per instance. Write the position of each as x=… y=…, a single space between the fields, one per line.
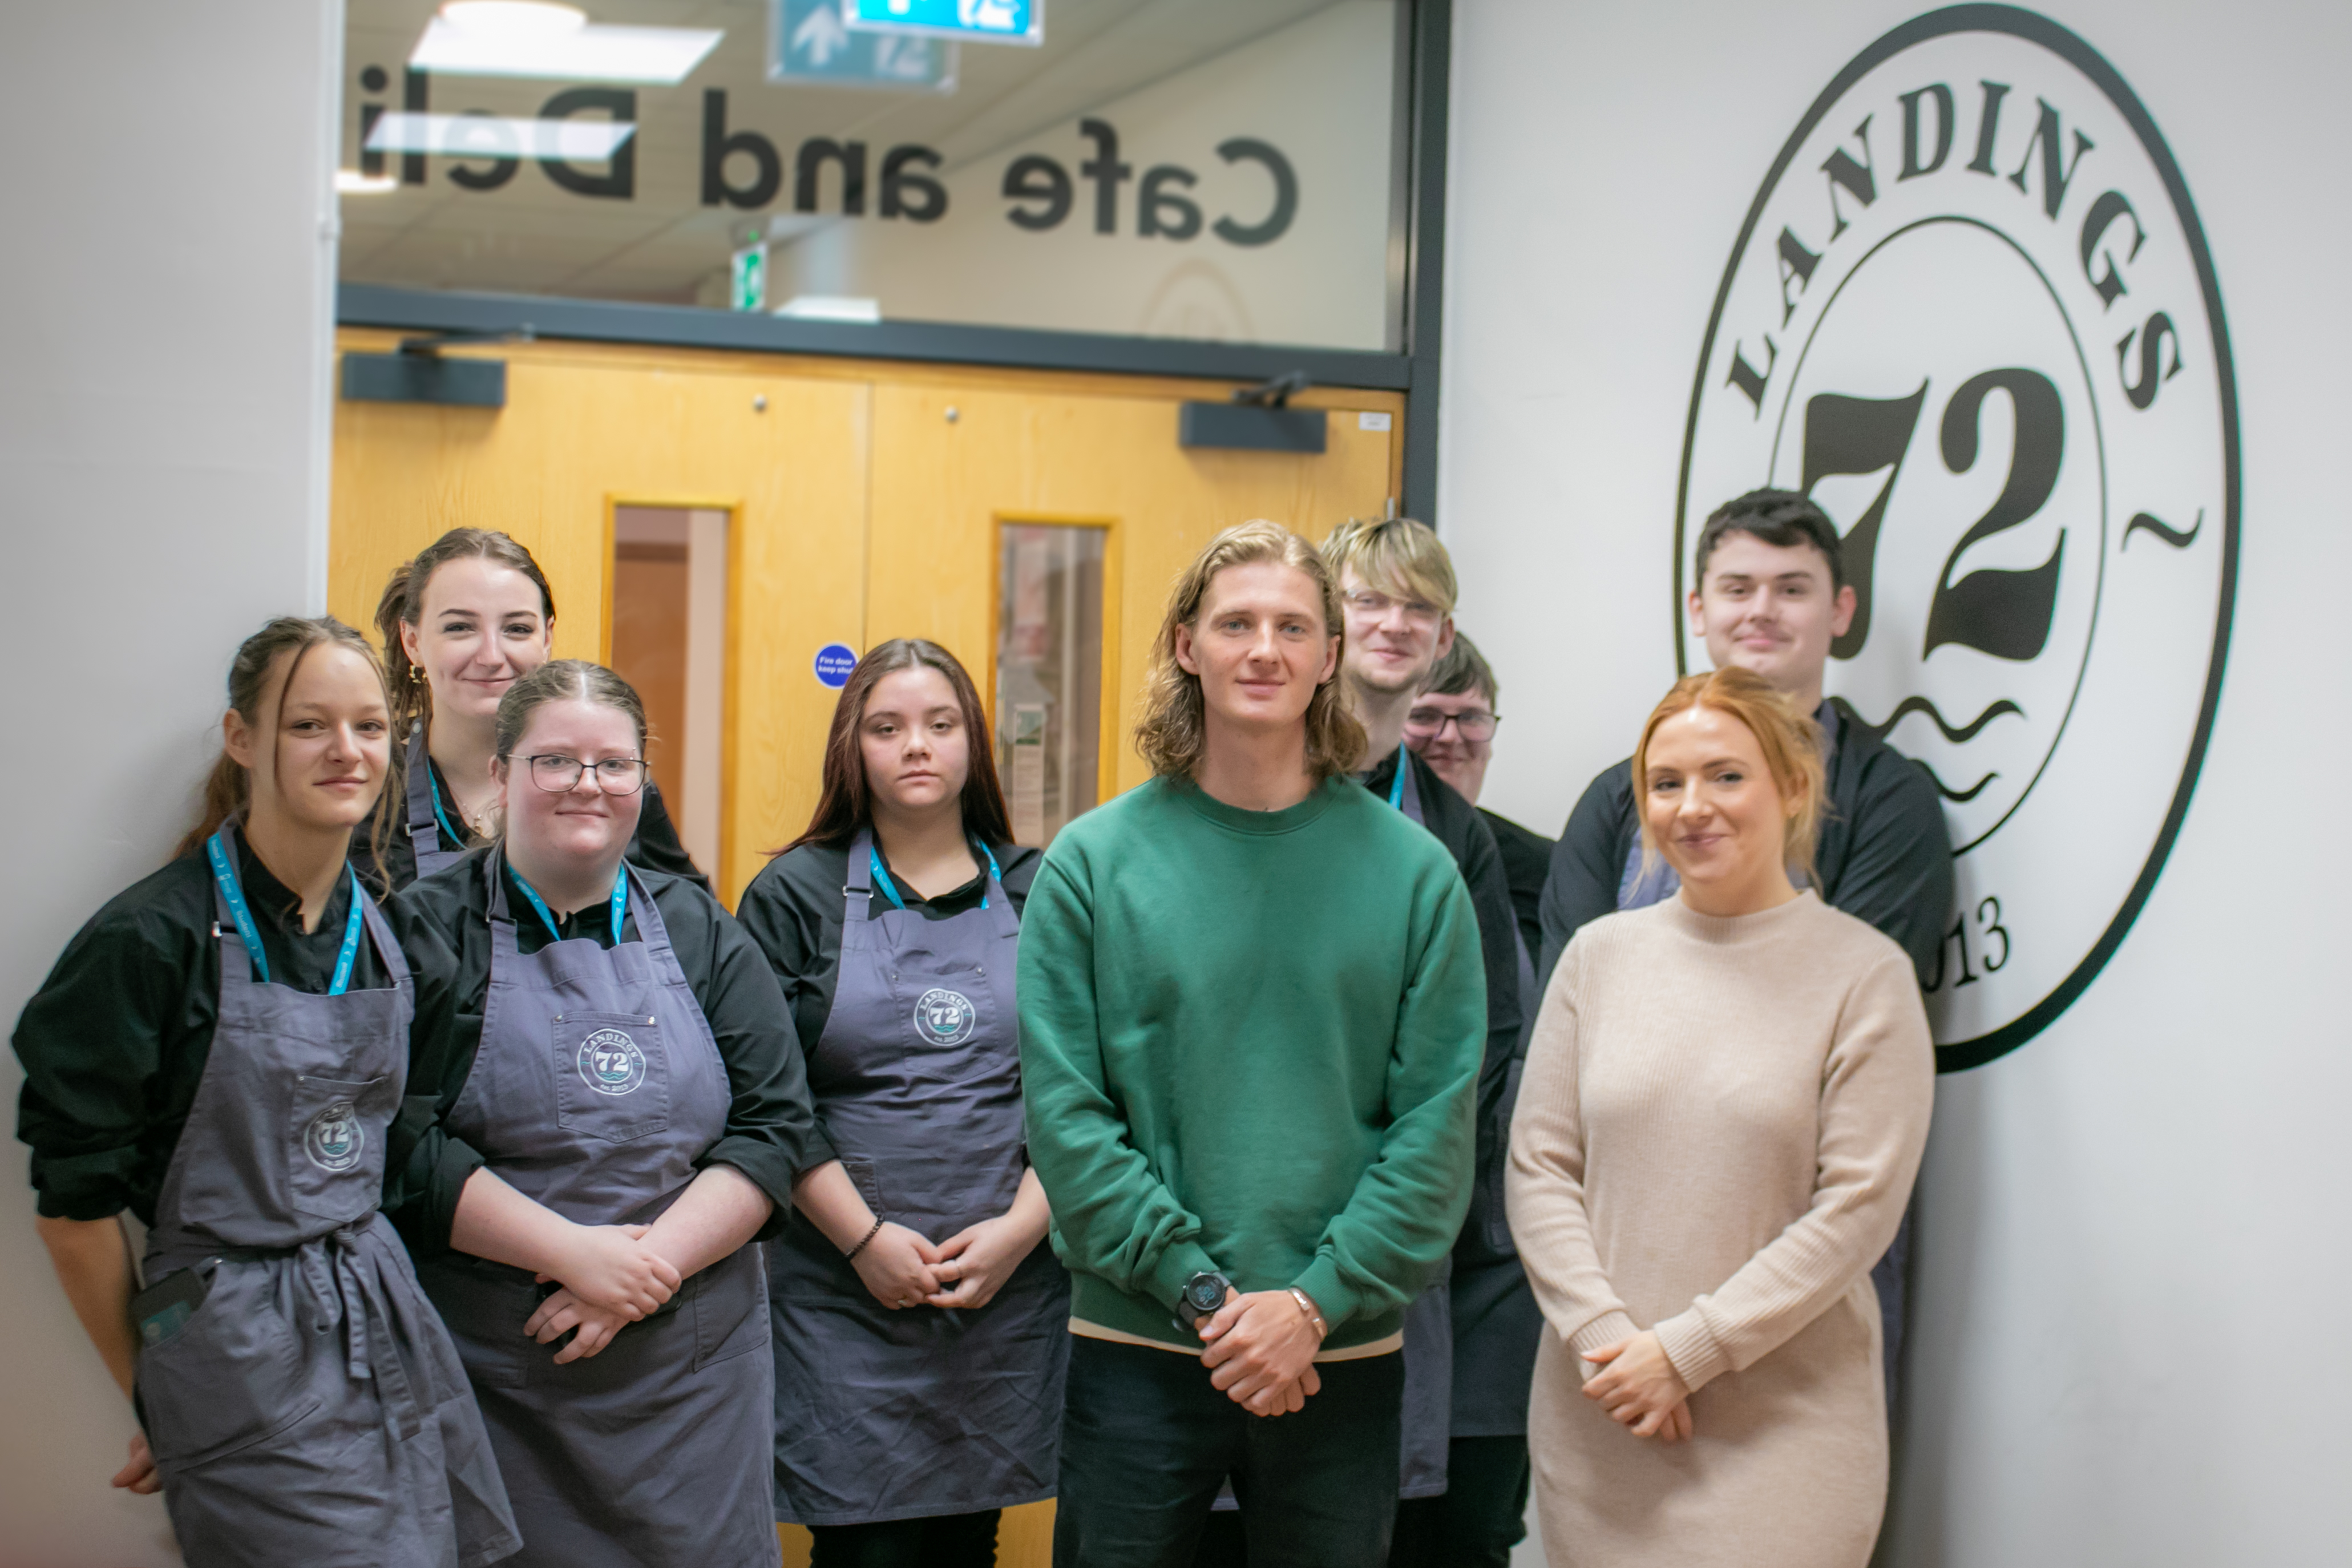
x=729 y=529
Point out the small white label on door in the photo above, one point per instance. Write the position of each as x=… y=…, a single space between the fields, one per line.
x=1371 y=421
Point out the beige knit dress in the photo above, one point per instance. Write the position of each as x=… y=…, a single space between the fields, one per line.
x=1716 y=1137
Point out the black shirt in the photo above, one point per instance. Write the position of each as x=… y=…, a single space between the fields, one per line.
x=114 y=1043
x=793 y=910
x=443 y=921
x=1883 y=853
x=655 y=847
x=1458 y=826
x=1527 y=861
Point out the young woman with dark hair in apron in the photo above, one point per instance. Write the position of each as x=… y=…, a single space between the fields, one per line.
x=605 y=1109
x=920 y=1329
x=220 y=1052
x=468 y=617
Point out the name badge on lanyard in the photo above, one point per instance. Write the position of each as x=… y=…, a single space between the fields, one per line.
x=224 y=874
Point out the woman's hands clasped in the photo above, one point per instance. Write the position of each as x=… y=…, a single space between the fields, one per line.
x=1640 y=1389
x=899 y=1267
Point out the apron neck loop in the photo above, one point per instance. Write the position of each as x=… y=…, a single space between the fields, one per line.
x=221 y=850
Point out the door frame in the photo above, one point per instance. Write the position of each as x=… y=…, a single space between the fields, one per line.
x=1416 y=267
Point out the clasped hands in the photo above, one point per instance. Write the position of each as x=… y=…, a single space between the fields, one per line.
x=902 y=1267
x=1640 y=1389
x=1262 y=1351
x=610 y=1278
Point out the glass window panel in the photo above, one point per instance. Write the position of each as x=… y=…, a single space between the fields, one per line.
x=1206 y=169
x=1049 y=654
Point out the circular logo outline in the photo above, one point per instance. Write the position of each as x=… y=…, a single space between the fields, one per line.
x=2069 y=47
x=313 y=1135
x=632 y=1079
x=968 y=1018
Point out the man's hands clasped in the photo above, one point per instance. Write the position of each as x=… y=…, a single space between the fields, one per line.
x=1261 y=1351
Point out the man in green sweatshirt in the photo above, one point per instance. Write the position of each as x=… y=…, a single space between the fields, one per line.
x=1253 y=1009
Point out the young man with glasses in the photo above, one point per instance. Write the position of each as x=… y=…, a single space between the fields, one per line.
x=1773 y=598
x=1464 y=1484
x=1452 y=726
x=1251 y=1007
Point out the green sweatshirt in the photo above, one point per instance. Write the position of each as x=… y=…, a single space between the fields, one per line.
x=1250 y=1041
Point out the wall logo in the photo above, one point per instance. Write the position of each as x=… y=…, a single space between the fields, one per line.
x=1972 y=315
x=334 y=1140
x=945 y=1017
x=611 y=1063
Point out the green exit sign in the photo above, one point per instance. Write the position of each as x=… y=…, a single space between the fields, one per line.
x=750 y=280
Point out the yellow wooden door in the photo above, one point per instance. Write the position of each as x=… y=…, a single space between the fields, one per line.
x=956 y=464
x=584 y=431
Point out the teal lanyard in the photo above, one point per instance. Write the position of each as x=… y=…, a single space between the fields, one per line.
x=890 y=889
x=1396 y=787
x=620 y=901
x=456 y=839
x=224 y=874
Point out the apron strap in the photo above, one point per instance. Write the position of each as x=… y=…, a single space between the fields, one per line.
x=423 y=807
x=857 y=892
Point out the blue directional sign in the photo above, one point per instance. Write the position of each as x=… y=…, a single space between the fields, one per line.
x=981 y=21
x=809 y=43
x=833 y=662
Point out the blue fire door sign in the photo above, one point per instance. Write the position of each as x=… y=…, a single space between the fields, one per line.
x=980 y=21
x=808 y=42
x=833 y=662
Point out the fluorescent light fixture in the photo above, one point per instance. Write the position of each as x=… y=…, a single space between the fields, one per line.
x=491 y=136
x=458 y=43
x=351 y=183
x=831 y=308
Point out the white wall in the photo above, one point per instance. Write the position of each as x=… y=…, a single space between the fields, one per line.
x=165 y=302
x=2133 y=1229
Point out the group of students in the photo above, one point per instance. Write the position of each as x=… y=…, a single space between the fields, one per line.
x=453 y=1105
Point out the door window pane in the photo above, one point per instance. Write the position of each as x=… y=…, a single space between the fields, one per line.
x=1206 y=169
x=669 y=625
x=1049 y=654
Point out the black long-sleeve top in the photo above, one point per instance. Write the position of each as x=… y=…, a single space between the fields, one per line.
x=1527 y=863
x=1458 y=824
x=1883 y=853
x=115 y=1041
x=793 y=910
x=655 y=847
x=443 y=922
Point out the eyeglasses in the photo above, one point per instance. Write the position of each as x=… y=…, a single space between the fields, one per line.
x=1471 y=723
x=560 y=774
x=1365 y=602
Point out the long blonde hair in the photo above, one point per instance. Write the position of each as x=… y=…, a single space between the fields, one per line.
x=1173 y=732
x=1791 y=742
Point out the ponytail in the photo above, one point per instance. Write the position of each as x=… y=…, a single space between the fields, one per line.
x=228 y=788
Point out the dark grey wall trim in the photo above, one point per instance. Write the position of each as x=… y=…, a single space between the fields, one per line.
x=599 y=320
x=1433 y=50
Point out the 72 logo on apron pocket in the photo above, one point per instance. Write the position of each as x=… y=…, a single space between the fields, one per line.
x=611 y=1063
x=944 y=1017
x=334 y=1140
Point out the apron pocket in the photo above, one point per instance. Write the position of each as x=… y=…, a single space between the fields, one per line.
x=862 y=1175
x=611 y=1076
x=230 y=1377
x=731 y=1309
x=334 y=1165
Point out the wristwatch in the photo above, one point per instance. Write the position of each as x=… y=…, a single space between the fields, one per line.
x=1203 y=1294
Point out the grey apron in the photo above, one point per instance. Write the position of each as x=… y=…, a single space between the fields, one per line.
x=1428 y=1318
x=596 y=1088
x=424 y=823
x=312 y=1411
x=885 y=1415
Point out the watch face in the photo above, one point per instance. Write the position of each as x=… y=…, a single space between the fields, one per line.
x=1206 y=1293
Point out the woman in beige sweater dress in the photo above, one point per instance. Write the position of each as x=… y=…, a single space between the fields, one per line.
x=1725 y=1101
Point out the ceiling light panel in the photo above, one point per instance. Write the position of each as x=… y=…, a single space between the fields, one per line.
x=653 y=55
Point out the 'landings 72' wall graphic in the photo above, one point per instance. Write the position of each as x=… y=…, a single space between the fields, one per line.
x=1972 y=314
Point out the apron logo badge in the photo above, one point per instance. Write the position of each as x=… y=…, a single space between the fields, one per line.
x=610 y=1062
x=335 y=1138
x=945 y=1017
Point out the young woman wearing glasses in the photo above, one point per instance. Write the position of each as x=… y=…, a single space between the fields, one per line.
x=606 y=1105
x=461 y=623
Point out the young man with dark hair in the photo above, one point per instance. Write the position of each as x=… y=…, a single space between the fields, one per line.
x=1468 y=1357
x=1252 y=1011
x=1771 y=596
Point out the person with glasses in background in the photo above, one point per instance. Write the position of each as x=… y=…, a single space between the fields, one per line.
x=1458 y=1502
x=606 y=1106
x=1451 y=726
